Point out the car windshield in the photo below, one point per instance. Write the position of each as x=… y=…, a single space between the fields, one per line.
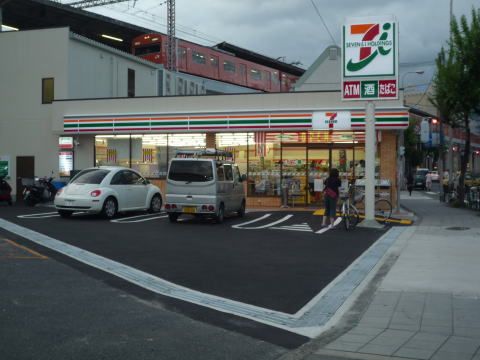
x=191 y=171
x=90 y=176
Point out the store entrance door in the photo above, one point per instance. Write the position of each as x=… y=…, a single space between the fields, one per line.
x=317 y=171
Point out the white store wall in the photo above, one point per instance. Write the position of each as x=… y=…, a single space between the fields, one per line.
x=81 y=69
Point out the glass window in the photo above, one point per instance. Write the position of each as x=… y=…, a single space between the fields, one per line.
x=190 y=171
x=198 y=58
x=275 y=78
x=48 y=90
x=112 y=150
x=236 y=174
x=133 y=178
x=236 y=144
x=228 y=172
x=255 y=74
x=264 y=155
x=181 y=53
x=90 y=176
x=118 y=179
x=214 y=61
x=228 y=66
x=178 y=142
x=220 y=173
x=148 y=49
x=131 y=83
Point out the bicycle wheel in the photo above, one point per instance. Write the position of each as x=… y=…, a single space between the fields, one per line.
x=350 y=217
x=383 y=210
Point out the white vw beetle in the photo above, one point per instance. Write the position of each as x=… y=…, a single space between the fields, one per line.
x=108 y=190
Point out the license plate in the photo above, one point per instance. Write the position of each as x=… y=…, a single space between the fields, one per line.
x=189 y=209
x=68 y=202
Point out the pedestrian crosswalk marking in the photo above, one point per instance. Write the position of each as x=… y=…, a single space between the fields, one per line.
x=295 y=227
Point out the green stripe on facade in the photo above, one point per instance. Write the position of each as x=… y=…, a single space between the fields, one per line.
x=130 y=124
x=208 y=122
x=169 y=123
x=292 y=121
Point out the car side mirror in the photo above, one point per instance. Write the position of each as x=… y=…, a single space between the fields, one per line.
x=146 y=182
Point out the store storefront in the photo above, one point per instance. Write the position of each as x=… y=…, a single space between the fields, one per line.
x=280 y=141
x=299 y=160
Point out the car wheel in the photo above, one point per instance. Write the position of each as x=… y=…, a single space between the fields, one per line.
x=110 y=207
x=65 y=213
x=220 y=214
x=173 y=217
x=155 y=204
x=241 y=211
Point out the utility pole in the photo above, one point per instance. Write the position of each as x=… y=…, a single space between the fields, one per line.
x=171 y=48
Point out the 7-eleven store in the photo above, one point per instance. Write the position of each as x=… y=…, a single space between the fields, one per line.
x=275 y=138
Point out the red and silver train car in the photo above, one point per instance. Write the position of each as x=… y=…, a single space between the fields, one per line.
x=214 y=64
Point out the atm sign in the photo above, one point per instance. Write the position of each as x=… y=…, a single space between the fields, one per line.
x=370 y=89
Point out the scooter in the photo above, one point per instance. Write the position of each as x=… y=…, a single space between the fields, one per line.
x=5 y=191
x=38 y=190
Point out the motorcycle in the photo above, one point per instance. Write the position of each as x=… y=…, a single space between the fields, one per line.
x=38 y=190
x=5 y=191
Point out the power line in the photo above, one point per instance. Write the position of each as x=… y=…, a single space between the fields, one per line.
x=323 y=21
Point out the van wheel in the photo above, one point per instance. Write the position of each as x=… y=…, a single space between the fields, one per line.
x=241 y=211
x=110 y=208
x=220 y=214
x=65 y=213
x=173 y=217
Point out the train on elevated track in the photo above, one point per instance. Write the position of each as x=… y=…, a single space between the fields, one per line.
x=217 y=64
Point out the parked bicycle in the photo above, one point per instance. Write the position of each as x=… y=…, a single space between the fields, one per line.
x=350 y=213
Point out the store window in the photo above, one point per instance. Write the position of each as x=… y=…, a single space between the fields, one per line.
x=112 y=150
x=264 y=155
x=48 y=92
x=236 y=144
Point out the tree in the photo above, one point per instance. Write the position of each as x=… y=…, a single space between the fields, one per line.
x=457 y=83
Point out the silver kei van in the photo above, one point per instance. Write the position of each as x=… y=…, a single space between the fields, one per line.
x=204 y=187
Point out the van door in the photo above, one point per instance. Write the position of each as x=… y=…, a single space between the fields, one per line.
x=238 y=193
x=229 y=188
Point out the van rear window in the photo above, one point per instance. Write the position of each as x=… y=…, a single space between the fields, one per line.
x=194 y=171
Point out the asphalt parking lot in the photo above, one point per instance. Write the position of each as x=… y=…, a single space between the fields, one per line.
x=271 y=260
x=272 y=276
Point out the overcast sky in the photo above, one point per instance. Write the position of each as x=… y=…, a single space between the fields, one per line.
x=292 y=28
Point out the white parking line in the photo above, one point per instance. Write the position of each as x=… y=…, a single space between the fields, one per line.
x=128 y=221
x=285 y=218
x=38 y=215
x=251 y=221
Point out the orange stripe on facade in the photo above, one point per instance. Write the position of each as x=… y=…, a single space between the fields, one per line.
x=247 y=116
x=208 y=117
x=360 y=28
x=169 y=118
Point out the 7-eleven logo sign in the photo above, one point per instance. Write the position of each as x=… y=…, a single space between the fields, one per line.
x=369 y=49
x=331 y=120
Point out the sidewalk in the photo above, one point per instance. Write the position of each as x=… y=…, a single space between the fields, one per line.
x=428 y=304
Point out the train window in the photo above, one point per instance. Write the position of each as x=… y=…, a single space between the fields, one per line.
x=214 y=61
x=275 y=78
x=228 y=66
x=255 y=74
x=145 y=50
x=198 y=58
x=181 y=53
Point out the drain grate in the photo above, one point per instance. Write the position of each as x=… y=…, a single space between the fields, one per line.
x=458 y=228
